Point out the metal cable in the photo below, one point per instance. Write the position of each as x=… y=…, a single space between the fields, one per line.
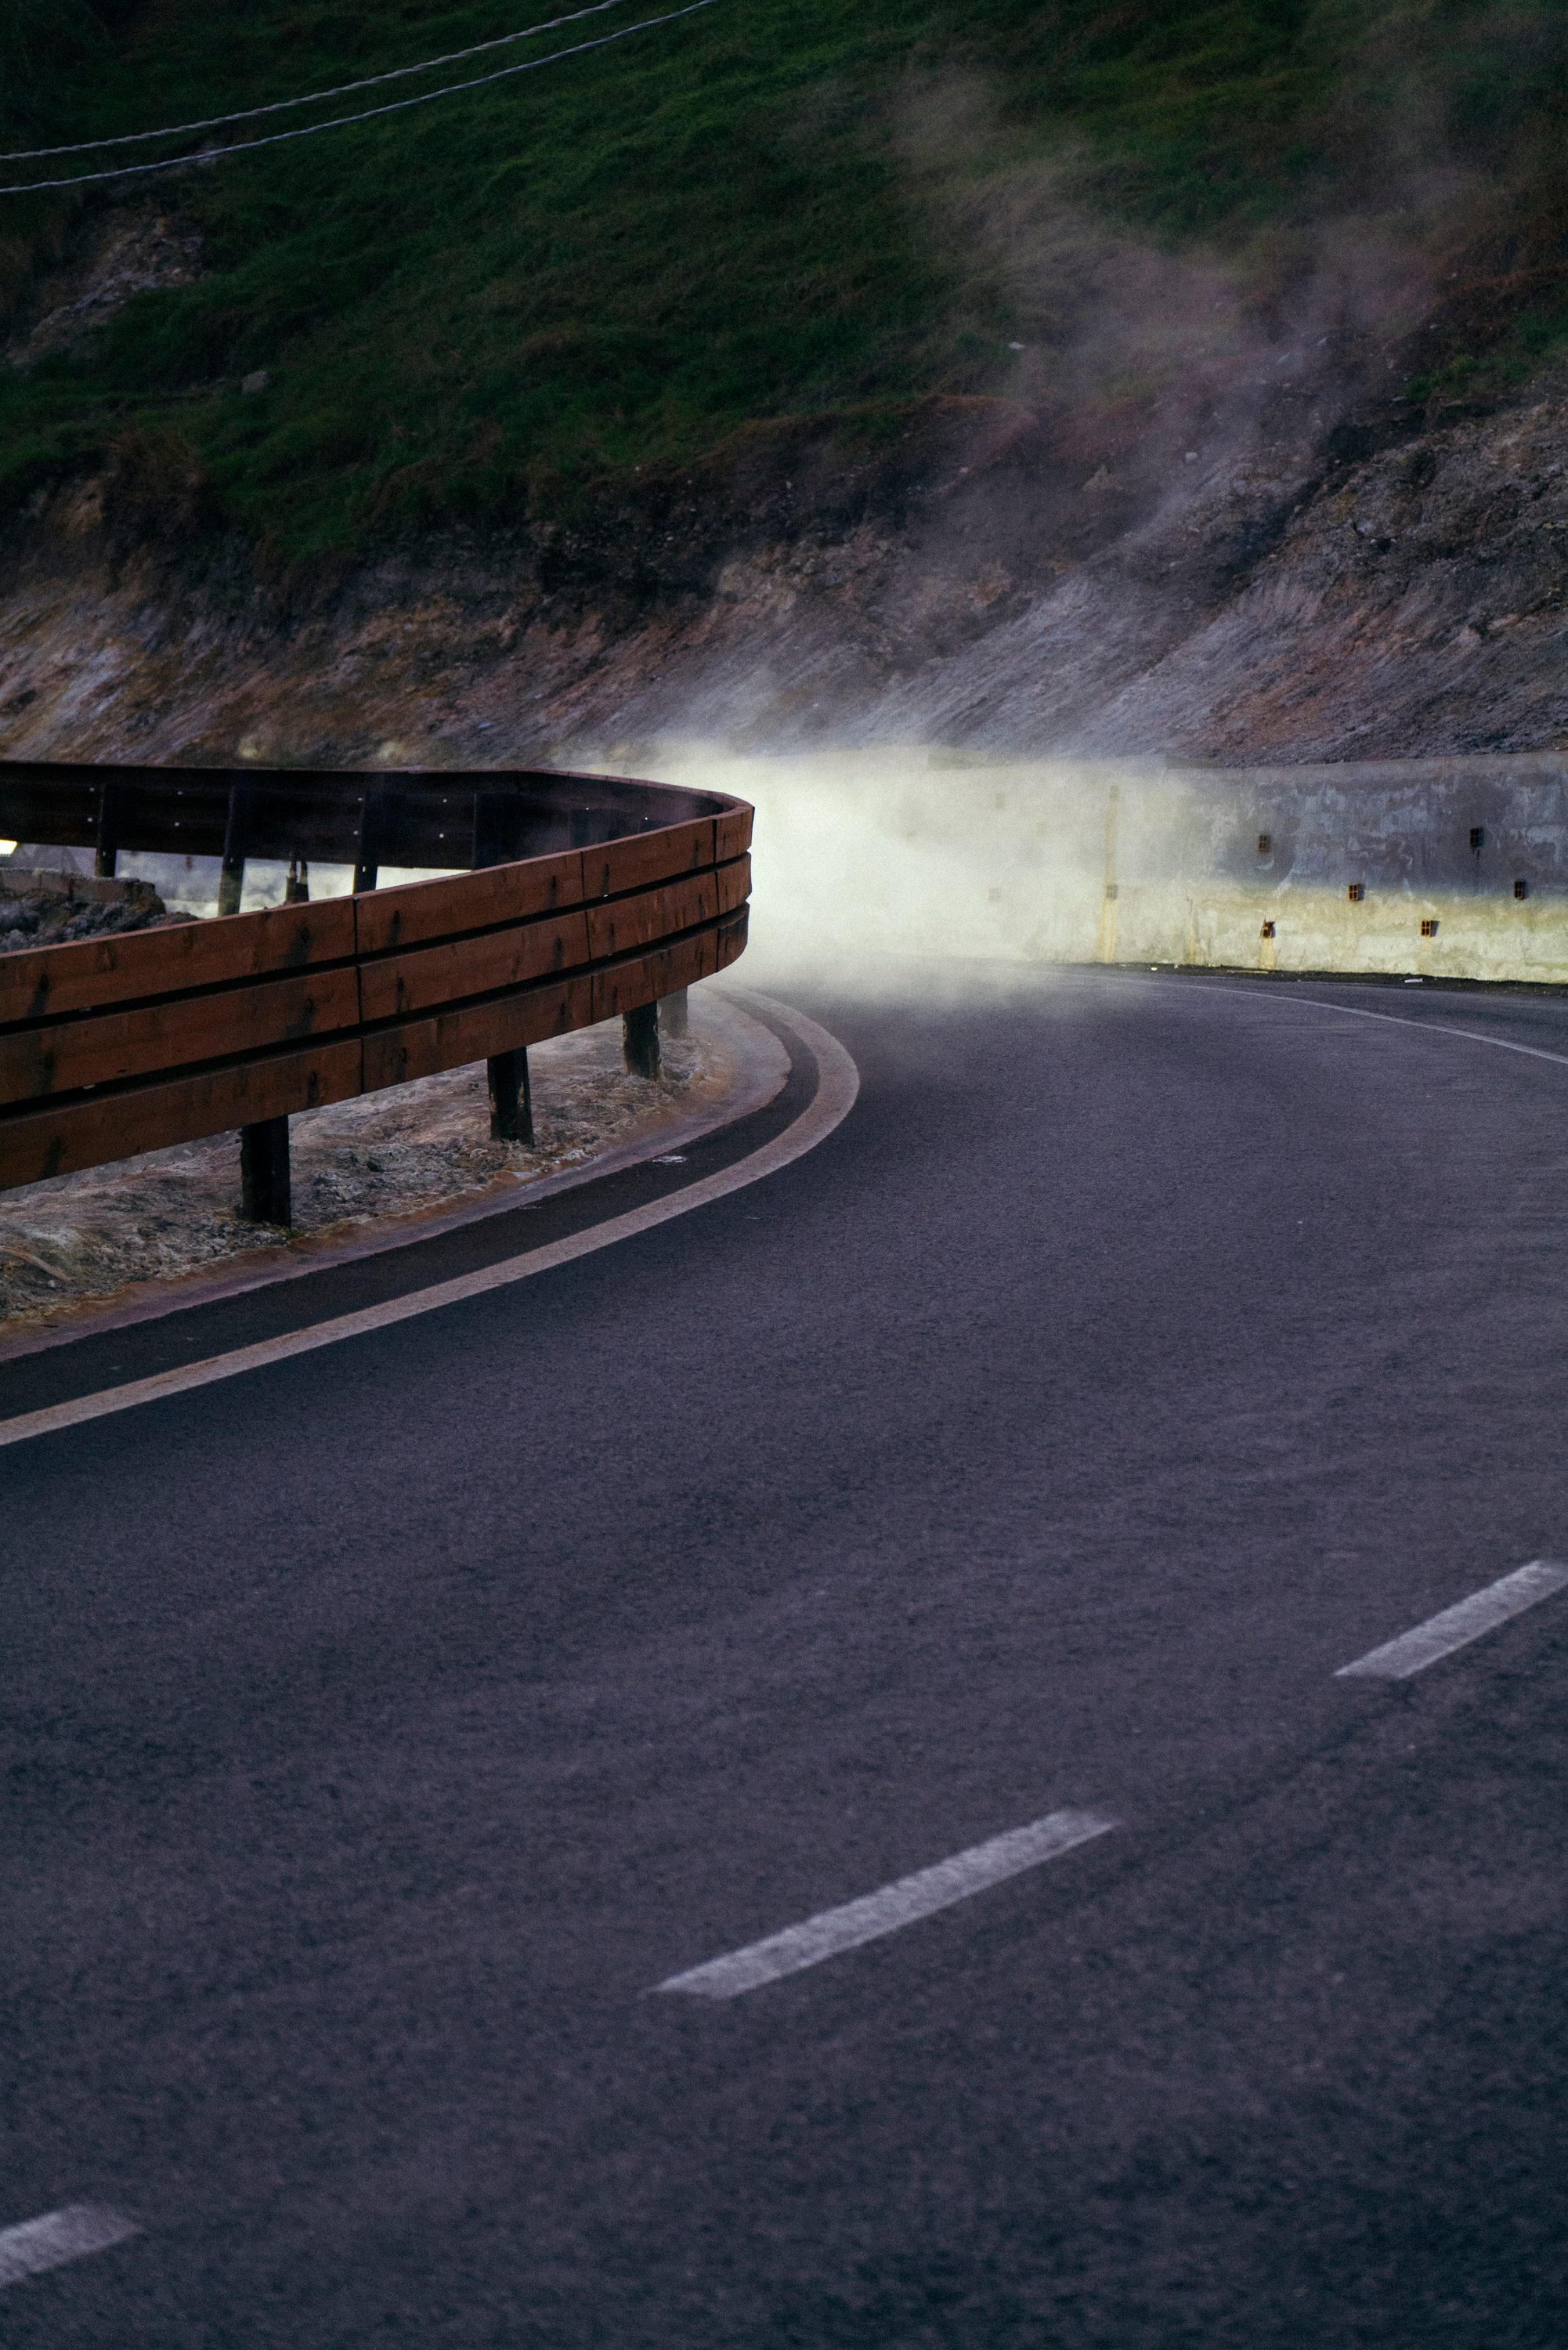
x=337 y=122
x=315 y=98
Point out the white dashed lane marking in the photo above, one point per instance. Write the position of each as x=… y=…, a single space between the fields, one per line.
x=1440 y=1635
x=59 y=2236
x=883 y=1912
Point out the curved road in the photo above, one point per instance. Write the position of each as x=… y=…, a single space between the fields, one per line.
x=391 y=1722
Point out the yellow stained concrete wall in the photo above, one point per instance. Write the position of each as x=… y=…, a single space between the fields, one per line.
x=871 y=854
x=1448 y=843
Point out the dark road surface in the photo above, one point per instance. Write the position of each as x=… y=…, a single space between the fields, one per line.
x=386 y=1724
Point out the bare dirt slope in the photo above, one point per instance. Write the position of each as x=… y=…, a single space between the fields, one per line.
x=1285 y=574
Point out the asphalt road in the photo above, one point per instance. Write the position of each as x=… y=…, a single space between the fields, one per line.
x=386 y=1724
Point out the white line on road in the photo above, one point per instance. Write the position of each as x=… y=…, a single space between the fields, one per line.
x=1437 y=1027
x=900 y=1904
x=1440 y=1635
x=839 y=1082
x=59 y=2236
x=1389 y=1019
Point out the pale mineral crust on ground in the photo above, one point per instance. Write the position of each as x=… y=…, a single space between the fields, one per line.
x=104 y=1233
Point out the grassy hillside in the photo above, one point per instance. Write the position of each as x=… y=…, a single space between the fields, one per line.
x=773 y=208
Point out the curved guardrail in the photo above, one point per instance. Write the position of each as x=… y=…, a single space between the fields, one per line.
x=585 y=897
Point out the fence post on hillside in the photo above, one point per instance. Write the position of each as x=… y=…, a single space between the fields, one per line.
x=265 y=1187
x=511 y=1097
x=640 y=1040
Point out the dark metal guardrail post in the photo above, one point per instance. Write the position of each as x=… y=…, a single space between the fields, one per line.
x=264 y=1186
x=497 y=839
x=367 y=859
x=105 y=854
x=232 y=880
x=114 y=1045
x=511 y=1097
x=640 y=1040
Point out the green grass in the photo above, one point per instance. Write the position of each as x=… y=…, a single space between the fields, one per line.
x=579 y=279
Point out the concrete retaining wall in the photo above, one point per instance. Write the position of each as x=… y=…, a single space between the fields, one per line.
x=1456 y=868
x=1446 y=869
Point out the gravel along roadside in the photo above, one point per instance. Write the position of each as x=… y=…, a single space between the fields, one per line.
x=98 y=1237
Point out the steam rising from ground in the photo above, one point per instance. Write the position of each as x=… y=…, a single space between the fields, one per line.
x=864 y=860
x=1192 y=343
x=890 y=872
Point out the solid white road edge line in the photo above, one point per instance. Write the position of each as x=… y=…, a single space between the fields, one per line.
x=839 y=1082
x=883 y=1912
x=35 y=2245
x=378 y=1237
x=1434 y=1028
x=1389 y=1019
x=1456 y=1627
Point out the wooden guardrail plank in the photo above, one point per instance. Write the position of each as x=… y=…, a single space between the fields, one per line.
x=619 y=925
x=314 y=812
x=734 y=884
x=178 y=809
x=92 y=972
x=642 y=979
x=449 y=1040
x=731 y=937
x=112 y=1046
x=416 y=910
x=61 y=808
x=732 y=832
x=107 y=1047
x=60 y=1138
x=474 y=966
x=639 y=859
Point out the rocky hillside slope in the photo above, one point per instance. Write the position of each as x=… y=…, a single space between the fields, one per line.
x=1188 y=380
x=1276 y=594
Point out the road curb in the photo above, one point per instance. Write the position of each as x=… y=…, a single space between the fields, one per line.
x=765 y=1071
x=837 y=1084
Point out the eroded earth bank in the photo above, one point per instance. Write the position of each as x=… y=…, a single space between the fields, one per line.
x=1277 y=566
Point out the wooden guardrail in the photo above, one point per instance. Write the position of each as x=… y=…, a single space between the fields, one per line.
x=117 y=1044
